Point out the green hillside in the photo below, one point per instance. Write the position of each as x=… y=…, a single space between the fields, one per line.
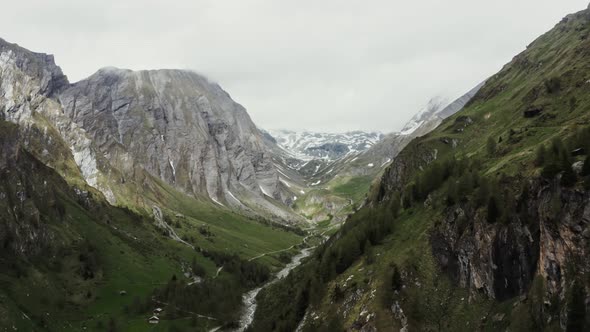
x=478 y=225
x=72 y=261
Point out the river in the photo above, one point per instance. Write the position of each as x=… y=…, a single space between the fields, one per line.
x=249 y=299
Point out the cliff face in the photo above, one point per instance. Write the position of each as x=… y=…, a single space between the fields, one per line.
x=119 y=128
x=502 y=260
x=180 y=128
x=29 y=202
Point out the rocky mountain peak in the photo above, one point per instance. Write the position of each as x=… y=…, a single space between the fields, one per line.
x=39 y=68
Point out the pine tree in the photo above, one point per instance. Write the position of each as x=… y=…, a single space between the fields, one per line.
x=112 y=325
x=491 y=146
x=396 y=279
x=395 y=205
x=483 y=193
x=576 y=313
x=493 y=209
x=586 y=168
x=569 y=176
x=540 y=155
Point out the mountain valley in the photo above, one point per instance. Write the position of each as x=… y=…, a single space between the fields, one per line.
x=149 y=200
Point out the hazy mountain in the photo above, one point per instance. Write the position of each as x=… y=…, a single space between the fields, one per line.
x=307 y=145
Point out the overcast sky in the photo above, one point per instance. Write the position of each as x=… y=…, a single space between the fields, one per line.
x=329 y=65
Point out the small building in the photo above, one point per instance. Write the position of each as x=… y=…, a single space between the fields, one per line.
x=123 y=292
x=154 y=320
x=157 y=311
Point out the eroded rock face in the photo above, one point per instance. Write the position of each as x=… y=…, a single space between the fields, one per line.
x=179 y=127
x=398 y=174
x=29 y=83
x=120 y=125
x=501 y=260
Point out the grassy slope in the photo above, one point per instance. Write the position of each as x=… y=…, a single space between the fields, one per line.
x=562 y=53
x=130 y=252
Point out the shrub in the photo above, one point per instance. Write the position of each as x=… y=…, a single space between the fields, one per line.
x=576 y=312
x=586 y=168
x=540 y=155
x=491 y=146
x=553 y=85
x=493 y=209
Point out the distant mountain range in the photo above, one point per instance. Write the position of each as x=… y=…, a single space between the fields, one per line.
x=307 y=145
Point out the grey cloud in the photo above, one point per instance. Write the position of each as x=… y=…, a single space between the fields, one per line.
x=327 y=65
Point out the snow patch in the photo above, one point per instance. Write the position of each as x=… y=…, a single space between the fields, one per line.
x=370 y=165
x=316 y=183
x=316 y=169
x=216 y=201
x=234 y=197
x=173 y=169
x=411 y=127
x=285 y=183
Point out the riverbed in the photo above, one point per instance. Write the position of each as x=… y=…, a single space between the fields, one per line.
x=249 y=299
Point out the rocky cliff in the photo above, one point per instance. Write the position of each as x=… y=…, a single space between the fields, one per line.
x=122 y=131
x=179 y=127
x=501 y=260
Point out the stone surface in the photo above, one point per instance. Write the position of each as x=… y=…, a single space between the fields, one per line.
x=179 y=127
x=121 y=127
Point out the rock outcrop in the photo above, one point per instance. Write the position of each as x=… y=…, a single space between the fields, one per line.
x=501 y=260
x=119 y=128
x=179 y=127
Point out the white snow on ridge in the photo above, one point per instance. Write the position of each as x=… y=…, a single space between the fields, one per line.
x=297 y=143
x=316 y=183
x=411 y=127
x=216 y=201
x=285 y=183
x=387 y=162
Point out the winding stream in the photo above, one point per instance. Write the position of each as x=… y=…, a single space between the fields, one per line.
x=249 y=299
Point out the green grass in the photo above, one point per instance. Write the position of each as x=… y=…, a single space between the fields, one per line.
x=354 y=188
x=130 y=253
x=497 y=112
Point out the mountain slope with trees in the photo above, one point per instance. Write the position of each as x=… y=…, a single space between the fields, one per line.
x=482 y=224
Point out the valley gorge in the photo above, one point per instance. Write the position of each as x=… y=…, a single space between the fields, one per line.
x=136 y=200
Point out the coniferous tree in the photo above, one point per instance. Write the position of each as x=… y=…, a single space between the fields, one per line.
x=576 y=313
x=540 y=155
x=493 y=209
x=396 y=279
x=483 y=193
x=569 y=176
x=395 y=205
x=586 y=168
x=491 y=146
